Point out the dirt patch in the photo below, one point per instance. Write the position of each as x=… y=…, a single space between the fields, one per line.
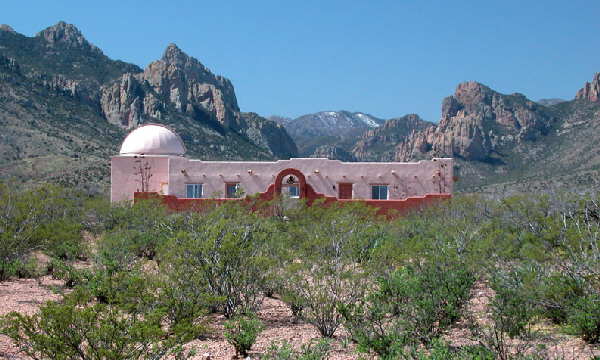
x=280 y=325
x=24 y=296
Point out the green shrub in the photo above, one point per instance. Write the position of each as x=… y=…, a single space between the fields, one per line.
x=43 y=218
x=584 y=318
x=326 y=263
x=295 y=302
x=223 y=253
x=410 y=308
x=557 y=293
x=63 y=239
x=284 y=351
x=81 y=329
x=440 y=350
x=21 y=213
x=22 y=268
x=71 y=276
x=241 y=331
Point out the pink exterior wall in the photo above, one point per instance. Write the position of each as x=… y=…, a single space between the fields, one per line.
x=172 y=173
x=124 y=182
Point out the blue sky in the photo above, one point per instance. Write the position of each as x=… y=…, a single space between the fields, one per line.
x=387 y=58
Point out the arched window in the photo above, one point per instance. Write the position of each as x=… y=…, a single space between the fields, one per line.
x=291 y=187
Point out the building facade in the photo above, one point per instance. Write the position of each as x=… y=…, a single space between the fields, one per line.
x=152 y=160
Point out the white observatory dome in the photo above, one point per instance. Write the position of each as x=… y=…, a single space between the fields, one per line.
x=152 y=139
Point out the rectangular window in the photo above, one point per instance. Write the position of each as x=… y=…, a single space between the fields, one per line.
x=193 y=191
x=232 y=190
x=344 y=191
x=379 y=192
x=292 y=191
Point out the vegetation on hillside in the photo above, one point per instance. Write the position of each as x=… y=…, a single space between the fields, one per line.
x=395 y=287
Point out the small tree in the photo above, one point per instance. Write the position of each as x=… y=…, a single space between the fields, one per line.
x=143 y=170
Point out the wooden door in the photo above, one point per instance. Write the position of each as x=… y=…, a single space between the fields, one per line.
x=345 y=191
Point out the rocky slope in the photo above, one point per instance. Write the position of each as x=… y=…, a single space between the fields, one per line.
x=476 y=123
x=180 y=85
x=58 y=92
x=507 y=142
x=591 y=90
x=379 y=144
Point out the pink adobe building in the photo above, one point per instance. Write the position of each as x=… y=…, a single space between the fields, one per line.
x=152 y=160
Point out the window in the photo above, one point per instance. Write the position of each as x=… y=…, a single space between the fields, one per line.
x=232 y=190
x=193 y=191
x=344 y=191
x=379 y=192
x=292 y=191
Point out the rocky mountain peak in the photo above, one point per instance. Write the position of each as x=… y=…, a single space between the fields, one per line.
x=66 y=34
x=590 y=91
x=4 y=27
x=174 y=55
x=476 y=122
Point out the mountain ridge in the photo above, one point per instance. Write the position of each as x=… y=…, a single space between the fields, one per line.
x=59 y=66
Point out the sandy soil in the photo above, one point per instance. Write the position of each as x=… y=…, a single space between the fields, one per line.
x=26 y=296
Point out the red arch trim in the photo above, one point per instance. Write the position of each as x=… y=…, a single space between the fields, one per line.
x=291 y=171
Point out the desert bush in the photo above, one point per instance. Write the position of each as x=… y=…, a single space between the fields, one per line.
x=440 y=350
x=78 y=328
x=45 y=218
x=139 y=228
x=22 y=214
x=66 y=272
x=294 y=301
x=22 y=268
x=410 y=308
x=63 y=239
x=314 y=350
x=514 y=310
x=241 y=331
x=223 y=253
x=584 y=318
x=326 y=266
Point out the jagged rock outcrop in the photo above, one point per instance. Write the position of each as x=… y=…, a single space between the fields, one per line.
x=176 y=81
x=66 y=35
x=379 y=144
x=62 y=99
x=590 y=91
x=475 y=122
x=180 y=84
x=9 y=64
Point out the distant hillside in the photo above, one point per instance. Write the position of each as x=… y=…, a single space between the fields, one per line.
x=550 y=102
x=65 y=107
x=328 y=128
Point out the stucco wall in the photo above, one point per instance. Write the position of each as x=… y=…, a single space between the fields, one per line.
x=124 y=182
x=404 y=179
x=171 y=173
